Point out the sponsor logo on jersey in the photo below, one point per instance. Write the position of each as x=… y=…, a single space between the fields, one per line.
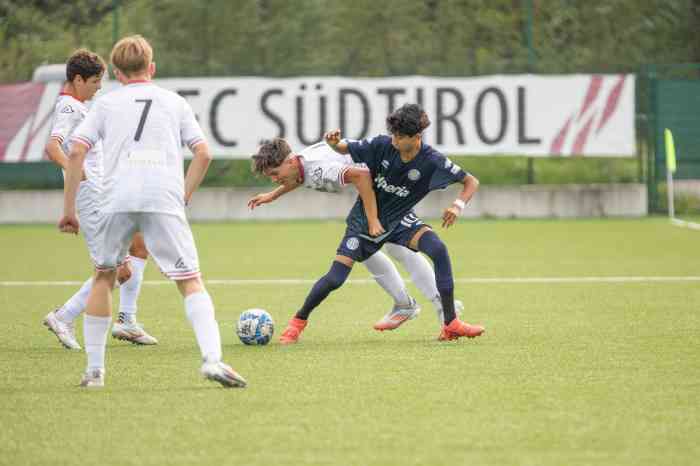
x=180 y=264
x=352 y=243
x=413 y=174
x=454 y=168
x=385 y=163
x=400 y=191
x=67 y=109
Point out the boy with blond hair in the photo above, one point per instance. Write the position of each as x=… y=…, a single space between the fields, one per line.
x=142 y=128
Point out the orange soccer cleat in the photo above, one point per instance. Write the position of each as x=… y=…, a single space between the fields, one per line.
x=458 y=329
x=293 y=331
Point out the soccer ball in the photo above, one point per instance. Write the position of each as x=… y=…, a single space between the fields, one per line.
x=255 y=327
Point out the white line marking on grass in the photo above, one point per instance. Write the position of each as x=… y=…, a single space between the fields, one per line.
x=364 y=281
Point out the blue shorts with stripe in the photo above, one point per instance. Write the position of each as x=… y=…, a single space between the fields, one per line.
x=359 y=246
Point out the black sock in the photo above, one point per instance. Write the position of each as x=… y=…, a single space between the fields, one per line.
x=433 y=247
x=333 y=280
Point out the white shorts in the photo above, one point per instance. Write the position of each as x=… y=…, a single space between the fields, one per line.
x=168 y=240
x=88 y=206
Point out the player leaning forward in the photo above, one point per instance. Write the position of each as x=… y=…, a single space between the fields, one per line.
x=142 y=128
x=404 y=171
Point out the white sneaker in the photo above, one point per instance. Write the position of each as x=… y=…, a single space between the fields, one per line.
x=397 y=316
x=459 y=307
x=93 y=378
x=133 y=332
x=63 y=331
x=217 y=371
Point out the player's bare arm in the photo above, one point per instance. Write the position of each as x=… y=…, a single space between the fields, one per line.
x=201 y=158
x=362 y=180
x=469 y=186
x=55 y=153
x=266 y=198
x=334 y=141
x=74 y=171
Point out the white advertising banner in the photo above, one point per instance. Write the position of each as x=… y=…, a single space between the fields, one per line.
x=535 y=115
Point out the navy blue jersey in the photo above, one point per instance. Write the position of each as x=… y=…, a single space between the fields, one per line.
x=398 y=185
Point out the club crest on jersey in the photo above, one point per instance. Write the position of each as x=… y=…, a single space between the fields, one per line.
x=381 y=183
x=67 y=109
x=317 y=176
x=352 y=243
x=413 y=174
x=385 y=163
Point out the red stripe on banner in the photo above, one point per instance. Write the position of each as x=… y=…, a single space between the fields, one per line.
x=19 y=102
x=582 y=137
x=560 y=138
x=30 y=138
x=612 y=102
x=592 y=93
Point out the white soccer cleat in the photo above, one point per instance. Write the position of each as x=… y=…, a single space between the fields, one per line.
x=63 y=331
x=397 y=316
x=93 y=378
x=459 y=307
x=217 y=371
x=133 y=332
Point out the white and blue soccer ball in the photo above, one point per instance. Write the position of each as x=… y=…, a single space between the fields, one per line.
x=255 y=327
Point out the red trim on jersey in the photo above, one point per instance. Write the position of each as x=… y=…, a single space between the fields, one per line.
x=137 y=81
x=72 y=95
x=344 y=173
x=83 y=141
x=300 y=166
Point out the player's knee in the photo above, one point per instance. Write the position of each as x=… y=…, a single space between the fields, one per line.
x=431 y=244
x=337 y=275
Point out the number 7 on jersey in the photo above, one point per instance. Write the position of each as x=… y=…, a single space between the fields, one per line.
x=144 y=115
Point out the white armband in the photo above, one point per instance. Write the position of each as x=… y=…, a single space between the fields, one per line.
x=459 y=204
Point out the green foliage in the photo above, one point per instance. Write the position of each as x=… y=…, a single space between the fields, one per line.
x=359 y=38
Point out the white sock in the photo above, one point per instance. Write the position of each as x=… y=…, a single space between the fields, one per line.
x=200 y=313
x=76 y=304
x=422 y=274
x=129 y=290
x=95 y=335
x=385 y=273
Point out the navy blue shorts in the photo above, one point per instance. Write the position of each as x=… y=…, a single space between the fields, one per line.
x=359 y=247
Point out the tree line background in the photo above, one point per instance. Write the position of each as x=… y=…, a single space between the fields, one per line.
x=359 y=37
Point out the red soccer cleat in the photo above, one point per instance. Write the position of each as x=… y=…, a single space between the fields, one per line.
x=293 y=331
x=458 y=329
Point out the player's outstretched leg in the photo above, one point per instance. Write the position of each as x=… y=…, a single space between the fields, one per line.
x=405 y=307
x=200 y=313
x=453 y=328
x=126 y=327
x=333 y=280
x=423 y=276
x=62 y=321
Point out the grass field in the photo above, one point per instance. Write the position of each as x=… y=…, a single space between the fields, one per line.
x=569 y=373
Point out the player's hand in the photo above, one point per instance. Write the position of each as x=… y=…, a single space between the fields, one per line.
x=260 y=199
x=332 y=138
x=375 y=227
x=449 y=216
x=124 y=273
x=69 y=224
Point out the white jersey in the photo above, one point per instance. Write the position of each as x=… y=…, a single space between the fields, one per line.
x=142 y=128
x=68 y=114
x=324 y=168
